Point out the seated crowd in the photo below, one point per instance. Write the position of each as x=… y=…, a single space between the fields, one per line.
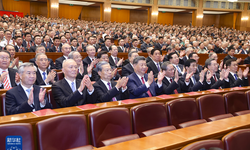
x=178 y=71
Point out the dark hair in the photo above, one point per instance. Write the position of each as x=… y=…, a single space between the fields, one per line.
x=229 y=62
x=164 y=66
x=27 y=33
x=188 y=62
x=56 y=38
x=153 y=50
x=191 y=54
x=73 y=39
x=134 y=40
x=146 y=38
x=16 y=37
x=170 y=56
x=137 y=59
x=37 y=36
x=107 y=39
x=99 y=54
x=160 y=37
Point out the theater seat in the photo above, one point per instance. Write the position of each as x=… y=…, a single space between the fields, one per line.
x=184 y=112
x=60 y=75
x=62 y=132
x=119 y=139
x=212 y=107
x=237 y=140
x=109 y=123
x=3 y=110
x=51 y=99
x=17 y=129
x=236 y=103
x=150 y=117
x=86 y=147
x=205 y=145
x=157 y=131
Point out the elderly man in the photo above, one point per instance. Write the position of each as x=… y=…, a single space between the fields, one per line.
x=66 y=49
x=8 y=76
x=44 y=76
x=113 y=59
x=26 y=97
x=41 y=49
x=128 y=68
x=14 y=62
x=141 y=84
x=71 y=91
x=91 y=55
x=108 y=90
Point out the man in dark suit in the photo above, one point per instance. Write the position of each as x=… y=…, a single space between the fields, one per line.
x=107 y=44
x=194 y=82
x=66 y=49
x=41 y=49
x=73 y=44
x=141 y=84
x=230 y=55
x=27 y=43
x=160 y=44
x=128 y=68
x=174 y=60
x=121 y=47
x=44 y=76
x=135 y=44
x=149 y=58
x=244 y=49
x=71 y=91
x=247 y=60
x=195 y=56
x=155 y=64
x=38 y=41
x=125 y=62
x=91 y=55
x=218 y=80
x=56 y=46
x=146 y=44
x=108 y=90
x=236 y=78
x=113 y=59
x=26 y=97
x=188 y=51
x=8 y=76
x=19 y=45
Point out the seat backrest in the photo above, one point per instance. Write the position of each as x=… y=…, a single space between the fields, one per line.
x=51 y=99
x=211 y=105
x=235 y=102
x=148 y=116
x=17 y=129
x=206 y=144
x=109 y=123
x=62 y=132
x=237 y=140
x=247 y=93
x=182 y=110
x=60 y=75
x=3 y=110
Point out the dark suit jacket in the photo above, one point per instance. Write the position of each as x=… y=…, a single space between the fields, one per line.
x=152 y=67
x=247 y=60
x=127 y=70
x=24 y=49
x=53 y=49
x=120 y=50
x=72 y=49
x=12 y=75
x=25 y=44
x=227 y=58
x=112 y=63
x=181 y=68
x=238 y=82
x=86 y=61
x=59 y=62
x=105 y=95
x=168 y=88
x=104 y=48
x=39 y=78
x=125 y=62
x=65 y=97
x=138 y=90
x=96 y=77
x=51 y=63
x=17 y=101
x=144 y=47
x=148 y=59
x=199 y=69
x=217 y=49
x=219 y=83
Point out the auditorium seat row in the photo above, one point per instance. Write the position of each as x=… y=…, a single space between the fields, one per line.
x=114 y=125
x=236 y=140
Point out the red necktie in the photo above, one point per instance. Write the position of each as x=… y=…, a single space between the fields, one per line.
x=175 y=91
x=149 y=93
x=215 y=78
x=94 y=65
x=6 y=83
x=28 y=44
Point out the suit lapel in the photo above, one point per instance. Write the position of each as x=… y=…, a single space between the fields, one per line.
x=103 y=85
x=39 y=77
x=67 y=87
x=12 y=78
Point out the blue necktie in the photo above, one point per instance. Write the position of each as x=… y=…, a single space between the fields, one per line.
x=73 y=86
x=28 y=90
x=178 y=68
x=158 y=67
x=194 y=80
x=235 y=76
x=44 y=76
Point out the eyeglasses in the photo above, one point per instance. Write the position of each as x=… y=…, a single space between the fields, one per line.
x=2 y=58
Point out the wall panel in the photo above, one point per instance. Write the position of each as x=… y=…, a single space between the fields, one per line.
x=209 y=20
x=165 y=18
x=69 y=12
x=226 y=20
x=120 y=15
x=90 y=13
x=38 y=8
x=20 y=6
x=182 y=18
x=138 y=16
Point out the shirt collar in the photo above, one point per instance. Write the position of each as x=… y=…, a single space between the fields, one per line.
x=69 y=82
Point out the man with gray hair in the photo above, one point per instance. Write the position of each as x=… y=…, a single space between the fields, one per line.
x=188 y=51
x=26 y=97
x=108 y=90
x=128 y=68
x=141 y=84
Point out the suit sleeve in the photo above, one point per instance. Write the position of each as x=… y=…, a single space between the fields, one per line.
x=48 y=104
x=170 y=88
x=105 y=96
x=134 y=89
x=58 y=64
x=13 y=108
x=52 y=65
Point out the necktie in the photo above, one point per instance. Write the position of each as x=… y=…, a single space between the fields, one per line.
x=158 y=67
x=194 y=80
x=28 y=91
x=175 y=91
x=44 y=75
x=122 y=49
x=113 y=99
x=149 y=93
x=73 y=86
x=6 y=82
x=215 y=78
x=178 y=68
x=28 y=44
x=235 y=76
x=115 y=60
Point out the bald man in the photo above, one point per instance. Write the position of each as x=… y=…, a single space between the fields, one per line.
x=71 y=91
x=66 y=49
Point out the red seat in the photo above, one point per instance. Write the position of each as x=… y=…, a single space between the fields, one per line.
x=212 y=107
x=109 y=123
x=119 y=139
x=62 y=132
x=51 y=99
x=237 y=140
x=149 y=116
x=3 y=110
x=21 y=129
x=86 y=147
x=184 y=112
x=60 y=75
x=236 y=103
x=206 y=144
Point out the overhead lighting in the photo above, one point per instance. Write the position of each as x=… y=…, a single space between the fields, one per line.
x=55 y=5
x=125 y=6
x=232 y=0
x=75 y=2
x=170 y=10
x=215 y=12
x=155 y=13
x=200 y=16
x=107 y=9
x=244 y=18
